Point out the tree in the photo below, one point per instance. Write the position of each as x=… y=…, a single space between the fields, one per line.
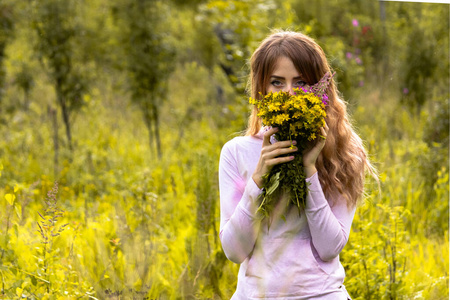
x=422 y=81
x=6 y=27
x=54 y=21
x=239 y=27
x=24 y=80
x=148 y=58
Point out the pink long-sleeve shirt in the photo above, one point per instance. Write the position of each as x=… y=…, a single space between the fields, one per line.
x=297 y=256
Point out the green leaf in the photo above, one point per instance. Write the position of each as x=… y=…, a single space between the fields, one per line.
x=33 y=280
x=4 y=239
x=16 y=229
x=18 y=209
x=273 y=183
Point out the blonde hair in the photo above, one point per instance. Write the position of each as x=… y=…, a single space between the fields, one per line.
x=343 y=161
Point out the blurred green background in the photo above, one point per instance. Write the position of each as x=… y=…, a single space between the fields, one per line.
x=127 y=103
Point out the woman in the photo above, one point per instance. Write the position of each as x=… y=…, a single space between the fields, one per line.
x=297 y=256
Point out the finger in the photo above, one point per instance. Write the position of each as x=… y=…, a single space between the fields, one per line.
x=320 y=142
x=279 y=160
x=278 y=152
x=324 y=133
x=267 y=135
x=278 y=145
x=326 y=126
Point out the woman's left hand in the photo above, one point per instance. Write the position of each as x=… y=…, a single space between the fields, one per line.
x=310 y=155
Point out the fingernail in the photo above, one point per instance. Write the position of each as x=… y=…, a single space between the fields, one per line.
x=294 y=142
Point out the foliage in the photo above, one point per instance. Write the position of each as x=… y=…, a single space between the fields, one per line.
x=6 y=28
x=149 y=59
x=24 y=80
x=240 y=26
x=57 y=30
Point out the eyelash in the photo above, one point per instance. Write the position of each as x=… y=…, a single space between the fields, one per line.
x=277 y=83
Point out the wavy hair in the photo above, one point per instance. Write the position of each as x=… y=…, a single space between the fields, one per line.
x=343 y=161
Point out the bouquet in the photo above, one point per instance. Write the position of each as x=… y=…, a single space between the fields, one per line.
x=298 y=117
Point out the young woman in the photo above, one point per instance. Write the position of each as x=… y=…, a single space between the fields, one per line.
x=297 y=256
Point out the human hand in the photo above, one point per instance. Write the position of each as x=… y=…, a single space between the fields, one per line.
x=270 y=156
x=311 y=154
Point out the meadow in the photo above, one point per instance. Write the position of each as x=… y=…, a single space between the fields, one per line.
x=106 y=217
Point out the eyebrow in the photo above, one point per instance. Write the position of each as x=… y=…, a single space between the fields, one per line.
x=280 y=77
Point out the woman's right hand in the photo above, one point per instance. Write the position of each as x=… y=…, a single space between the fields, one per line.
x=270 y=156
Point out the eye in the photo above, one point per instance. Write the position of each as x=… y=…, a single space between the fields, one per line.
x=276 y=83
x=300 y=83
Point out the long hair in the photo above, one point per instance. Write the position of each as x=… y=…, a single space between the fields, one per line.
x=343 y=161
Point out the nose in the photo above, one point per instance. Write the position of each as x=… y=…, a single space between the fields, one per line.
x=290 y=89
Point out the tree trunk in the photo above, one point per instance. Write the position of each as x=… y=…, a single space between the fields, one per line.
x=148 y=123
x=155 y=120
x=65 y=115
x=150 y=135
x=53 y=117
x=2 y=73
x=26 y=104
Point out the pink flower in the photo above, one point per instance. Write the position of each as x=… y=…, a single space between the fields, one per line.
x=349 y=55
x=355 y=23
x=405 y=91
x=358 y=60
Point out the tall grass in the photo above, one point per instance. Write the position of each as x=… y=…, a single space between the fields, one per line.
x=141 y=227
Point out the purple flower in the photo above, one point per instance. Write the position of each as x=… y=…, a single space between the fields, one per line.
x=325 y=99
x=361 y=83
x=349 y=55
x=358 y=60
x=405 y=91
x=355 y=23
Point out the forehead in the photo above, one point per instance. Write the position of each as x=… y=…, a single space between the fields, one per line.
x=284 y=67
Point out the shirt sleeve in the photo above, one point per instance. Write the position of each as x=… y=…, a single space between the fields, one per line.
x=239 y=220
x=329 y=226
